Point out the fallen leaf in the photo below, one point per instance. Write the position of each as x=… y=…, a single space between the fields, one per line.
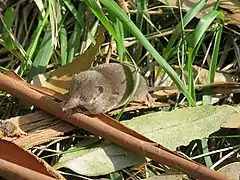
x=170 y=129
x=203 y=73
x=168 y=177
x=101 y=159
x=231 y=6
x=231 y=170
x=14 y=154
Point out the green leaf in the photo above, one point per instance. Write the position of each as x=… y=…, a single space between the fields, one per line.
x=43 y=55
x=213 y=66
x=74 y=12
x=75 y=39
x=201 y=28
x=194 y=41
x=178 y=30
x=116 y=176
x=8 y=19
x=33 y=46
x=205 y=150
x=62 y=35
x=119 y=29
x=191 y=88
x=170 y=129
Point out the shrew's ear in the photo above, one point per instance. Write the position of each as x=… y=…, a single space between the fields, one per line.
x=71 y=103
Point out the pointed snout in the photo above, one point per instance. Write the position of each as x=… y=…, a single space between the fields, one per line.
x=70 y=104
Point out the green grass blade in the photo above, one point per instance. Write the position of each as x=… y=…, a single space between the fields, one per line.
x=75 y=39
x=178 y=30
x=131 y=96
x=20 y=54
x=91 y=34
x=194 y=40
x=191 y=88
x=213 y=66
x=202 y=27
x=8 y=19
x=32 y=48
x=141 y=7
x=205 y=150
x=74 y=12
x=118 y=27
x=53 y=21
x=3 y=69
x=92 y=4
x=62 y=35
x=43 y=55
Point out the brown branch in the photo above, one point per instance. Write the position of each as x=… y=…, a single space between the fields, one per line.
x=11 y=170
x=100 y=126
x=13 y=158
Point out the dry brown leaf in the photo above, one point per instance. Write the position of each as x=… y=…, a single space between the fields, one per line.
x=232 y=6
x=124 y=5
x=203 y=73
x=14 y=154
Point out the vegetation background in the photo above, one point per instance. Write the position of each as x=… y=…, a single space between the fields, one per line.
x=174 y=43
